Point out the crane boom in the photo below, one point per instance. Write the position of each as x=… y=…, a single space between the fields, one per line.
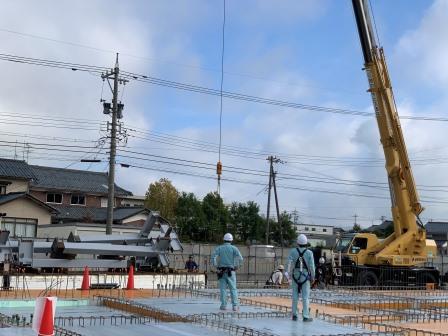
x=409 y=236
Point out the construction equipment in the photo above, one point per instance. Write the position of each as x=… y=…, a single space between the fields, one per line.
x=149 y=249
x=362 y=258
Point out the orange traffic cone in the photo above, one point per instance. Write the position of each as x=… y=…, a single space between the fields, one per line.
x=47 y=323
x=130 y=278
x=85 y=279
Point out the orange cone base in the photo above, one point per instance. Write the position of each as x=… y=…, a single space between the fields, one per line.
x=47 y=324
x=130 y=278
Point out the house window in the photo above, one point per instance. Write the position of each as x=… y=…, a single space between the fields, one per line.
x=324 y=230
x=19 y=227
x=54 y=198
x=78 y=199
x=313 y=229
x=2 y=190
x=306 y=229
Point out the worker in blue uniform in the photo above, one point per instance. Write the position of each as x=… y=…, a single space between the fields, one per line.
x=227 y=258
x=301 y=267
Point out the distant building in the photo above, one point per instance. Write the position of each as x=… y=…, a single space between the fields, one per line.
x=437 y=231
x=318 y=235
x=21 y=214
x=381 y=230
x=33 y=195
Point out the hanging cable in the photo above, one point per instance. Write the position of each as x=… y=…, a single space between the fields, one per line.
x=219 y=164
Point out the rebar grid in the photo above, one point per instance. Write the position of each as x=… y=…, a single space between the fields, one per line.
x=358 y=321
x=113 y=320
x=140 y=309
x=58 y=331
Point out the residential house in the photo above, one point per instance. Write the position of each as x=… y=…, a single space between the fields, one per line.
x=381 y=230
x=21 y=214
x=65 y=195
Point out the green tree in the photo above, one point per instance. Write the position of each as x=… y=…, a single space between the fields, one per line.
x=287 y=227
x=162 y=196
x=356 y=227
x=216 y=216
x=190 y=219
x=246 y=221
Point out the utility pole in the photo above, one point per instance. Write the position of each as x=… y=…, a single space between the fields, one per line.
x=116 y=114
x=272 y=160
x=280 y=223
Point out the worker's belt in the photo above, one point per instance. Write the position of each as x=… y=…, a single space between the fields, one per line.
x=224 y=270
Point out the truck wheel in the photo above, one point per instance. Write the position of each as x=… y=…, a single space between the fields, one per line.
x=425 y=278
x=367 y=278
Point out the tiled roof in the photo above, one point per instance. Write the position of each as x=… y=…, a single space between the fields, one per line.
x=73 y=180
x=62 y=179
x=10 y=197
x=380 y=227
x=15 y=168
x=16 y=195
x=79 y=213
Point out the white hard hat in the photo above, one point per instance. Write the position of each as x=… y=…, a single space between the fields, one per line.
x=281 y=267
x=228 y=237
x=322 y=260
x=301 y=239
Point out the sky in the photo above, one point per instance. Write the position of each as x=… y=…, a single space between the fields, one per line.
x=304 y=52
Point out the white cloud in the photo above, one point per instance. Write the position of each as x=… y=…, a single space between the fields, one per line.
x=422 y=51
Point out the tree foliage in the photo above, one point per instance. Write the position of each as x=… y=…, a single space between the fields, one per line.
x=287 y=226
x=246 y=222
x=190 y=219
x=208 y=220
x=162 y=196
x=216 y=216
x=356 y=227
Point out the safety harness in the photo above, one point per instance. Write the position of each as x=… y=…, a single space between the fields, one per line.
x=300 y=264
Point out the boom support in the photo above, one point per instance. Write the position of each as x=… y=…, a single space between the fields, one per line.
x=406 y=246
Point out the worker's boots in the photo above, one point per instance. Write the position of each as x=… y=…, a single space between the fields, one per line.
x=294 y=317
x=307 y=319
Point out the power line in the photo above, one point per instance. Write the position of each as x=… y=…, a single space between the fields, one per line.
x=200 y=89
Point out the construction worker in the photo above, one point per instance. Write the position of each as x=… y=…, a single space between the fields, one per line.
x=321 y=273
x=229 y=260
x=302 y=270
x=191 y=265
x=276 y=278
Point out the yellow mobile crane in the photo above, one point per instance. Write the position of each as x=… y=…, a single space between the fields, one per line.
x=362 y=258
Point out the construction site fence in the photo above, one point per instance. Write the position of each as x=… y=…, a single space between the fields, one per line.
x=259 y=261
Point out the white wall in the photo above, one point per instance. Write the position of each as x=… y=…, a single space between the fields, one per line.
x=152 y=281
x=318 y=229
x=24 y=208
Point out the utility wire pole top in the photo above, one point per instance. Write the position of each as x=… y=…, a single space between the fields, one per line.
x=116 y=112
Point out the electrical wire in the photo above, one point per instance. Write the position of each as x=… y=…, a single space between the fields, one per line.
x=200 y=89
x=221 y=88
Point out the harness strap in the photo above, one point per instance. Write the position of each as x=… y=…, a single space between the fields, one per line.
x=307 y=277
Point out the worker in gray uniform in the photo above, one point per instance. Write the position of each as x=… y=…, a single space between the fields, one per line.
x=302 y=270
x=229 y=260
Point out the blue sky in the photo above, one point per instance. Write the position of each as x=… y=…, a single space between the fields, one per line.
x=300 y=51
